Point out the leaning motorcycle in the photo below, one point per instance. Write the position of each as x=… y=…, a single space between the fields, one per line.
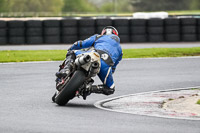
x=76 y=83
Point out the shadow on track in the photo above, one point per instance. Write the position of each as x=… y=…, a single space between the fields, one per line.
x=78 y=105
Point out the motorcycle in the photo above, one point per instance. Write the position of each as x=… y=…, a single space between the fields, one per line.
x=78 y=80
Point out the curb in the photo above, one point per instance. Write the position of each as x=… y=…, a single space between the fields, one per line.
x=155 y=109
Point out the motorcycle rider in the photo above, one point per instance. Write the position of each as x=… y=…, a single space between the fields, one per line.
x=108 y=46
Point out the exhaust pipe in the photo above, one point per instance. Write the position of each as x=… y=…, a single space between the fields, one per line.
x=94 y=69
x=82 y=60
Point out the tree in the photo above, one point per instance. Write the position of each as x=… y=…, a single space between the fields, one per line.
x=124 y=6
x=107 y=7
x=160 y=5
x=78 y=6
x=3 y=5
x=117 y=6
x=195 y=5
x=33 y=5
x=51 y=5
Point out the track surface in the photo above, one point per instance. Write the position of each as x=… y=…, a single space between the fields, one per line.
x=26 y=90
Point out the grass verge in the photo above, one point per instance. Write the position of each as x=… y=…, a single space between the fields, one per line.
x=56 y=55
x=86 y=14
x=161 y=52
x=31 y=55
x=198 y=102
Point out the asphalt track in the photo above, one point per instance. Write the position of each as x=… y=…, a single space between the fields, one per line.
x=26 y=90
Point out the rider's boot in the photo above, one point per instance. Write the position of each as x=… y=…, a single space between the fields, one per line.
x=102 y=89
x=63 y=72
x=67 y=65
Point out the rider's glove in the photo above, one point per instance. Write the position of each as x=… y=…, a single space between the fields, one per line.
x=69 y=49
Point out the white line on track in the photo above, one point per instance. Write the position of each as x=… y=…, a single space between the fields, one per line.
x=161 y=58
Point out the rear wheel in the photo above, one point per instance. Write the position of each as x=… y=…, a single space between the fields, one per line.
x=53 y=97
x=68 y=92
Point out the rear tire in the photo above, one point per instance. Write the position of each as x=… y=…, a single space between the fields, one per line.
x=53 y=97
x=68 y=92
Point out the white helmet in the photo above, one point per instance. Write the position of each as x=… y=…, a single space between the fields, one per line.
x=108 y=30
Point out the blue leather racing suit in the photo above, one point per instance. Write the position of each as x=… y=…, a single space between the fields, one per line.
x=111 y=53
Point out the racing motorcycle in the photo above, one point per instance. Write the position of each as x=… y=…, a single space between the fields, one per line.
x=78 y=80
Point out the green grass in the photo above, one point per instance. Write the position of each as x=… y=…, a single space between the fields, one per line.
x=86 y=14
x=56 y=55
x=32 y=55
x=198 y=102
x=161 y=52
x=195 y=88
x=184 y=12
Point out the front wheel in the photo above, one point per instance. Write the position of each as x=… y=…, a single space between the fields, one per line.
x=69 y=91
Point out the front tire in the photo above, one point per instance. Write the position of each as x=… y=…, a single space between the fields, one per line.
x=68 y=92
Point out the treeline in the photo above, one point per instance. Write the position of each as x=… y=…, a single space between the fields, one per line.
x=81 y=6
x=46 y=6
x=31 y=5
x=165 y=5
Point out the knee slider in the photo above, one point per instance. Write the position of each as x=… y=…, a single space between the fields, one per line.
x=108 y=91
